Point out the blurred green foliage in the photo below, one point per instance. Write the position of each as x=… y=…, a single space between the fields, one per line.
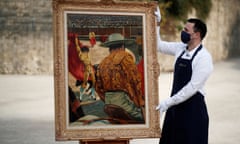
x=179 y=9
x=174 y=13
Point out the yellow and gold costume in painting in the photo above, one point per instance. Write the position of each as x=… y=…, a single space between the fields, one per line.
x=118 y=78
x=118 y=72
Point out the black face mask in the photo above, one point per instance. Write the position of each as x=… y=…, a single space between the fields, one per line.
x=185 y=37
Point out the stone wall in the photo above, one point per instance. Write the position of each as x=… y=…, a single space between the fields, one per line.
x=223 y=35
x=224 y=29
x=26 y=42
x=26 y=37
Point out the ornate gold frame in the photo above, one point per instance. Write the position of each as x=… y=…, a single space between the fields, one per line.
x=151 y=128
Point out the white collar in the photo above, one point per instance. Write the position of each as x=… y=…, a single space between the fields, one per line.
x=188 y=53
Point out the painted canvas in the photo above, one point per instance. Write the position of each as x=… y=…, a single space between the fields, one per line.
x=105 y=70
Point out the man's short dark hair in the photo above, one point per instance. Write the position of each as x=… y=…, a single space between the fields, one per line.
x=199 y=26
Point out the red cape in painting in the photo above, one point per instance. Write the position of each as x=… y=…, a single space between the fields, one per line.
x=75 y=66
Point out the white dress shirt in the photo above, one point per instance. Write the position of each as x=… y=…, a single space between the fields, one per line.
x=202 y=67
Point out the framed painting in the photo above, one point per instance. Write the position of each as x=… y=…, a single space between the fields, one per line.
x=105 y=70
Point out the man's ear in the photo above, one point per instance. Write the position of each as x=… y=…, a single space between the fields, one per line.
x=198 y=34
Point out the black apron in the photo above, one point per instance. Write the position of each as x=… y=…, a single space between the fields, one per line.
x=187 y=122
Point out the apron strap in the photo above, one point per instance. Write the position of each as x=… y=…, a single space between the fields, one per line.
x=198 y=49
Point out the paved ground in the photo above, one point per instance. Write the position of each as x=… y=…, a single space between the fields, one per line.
x=27 y=107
